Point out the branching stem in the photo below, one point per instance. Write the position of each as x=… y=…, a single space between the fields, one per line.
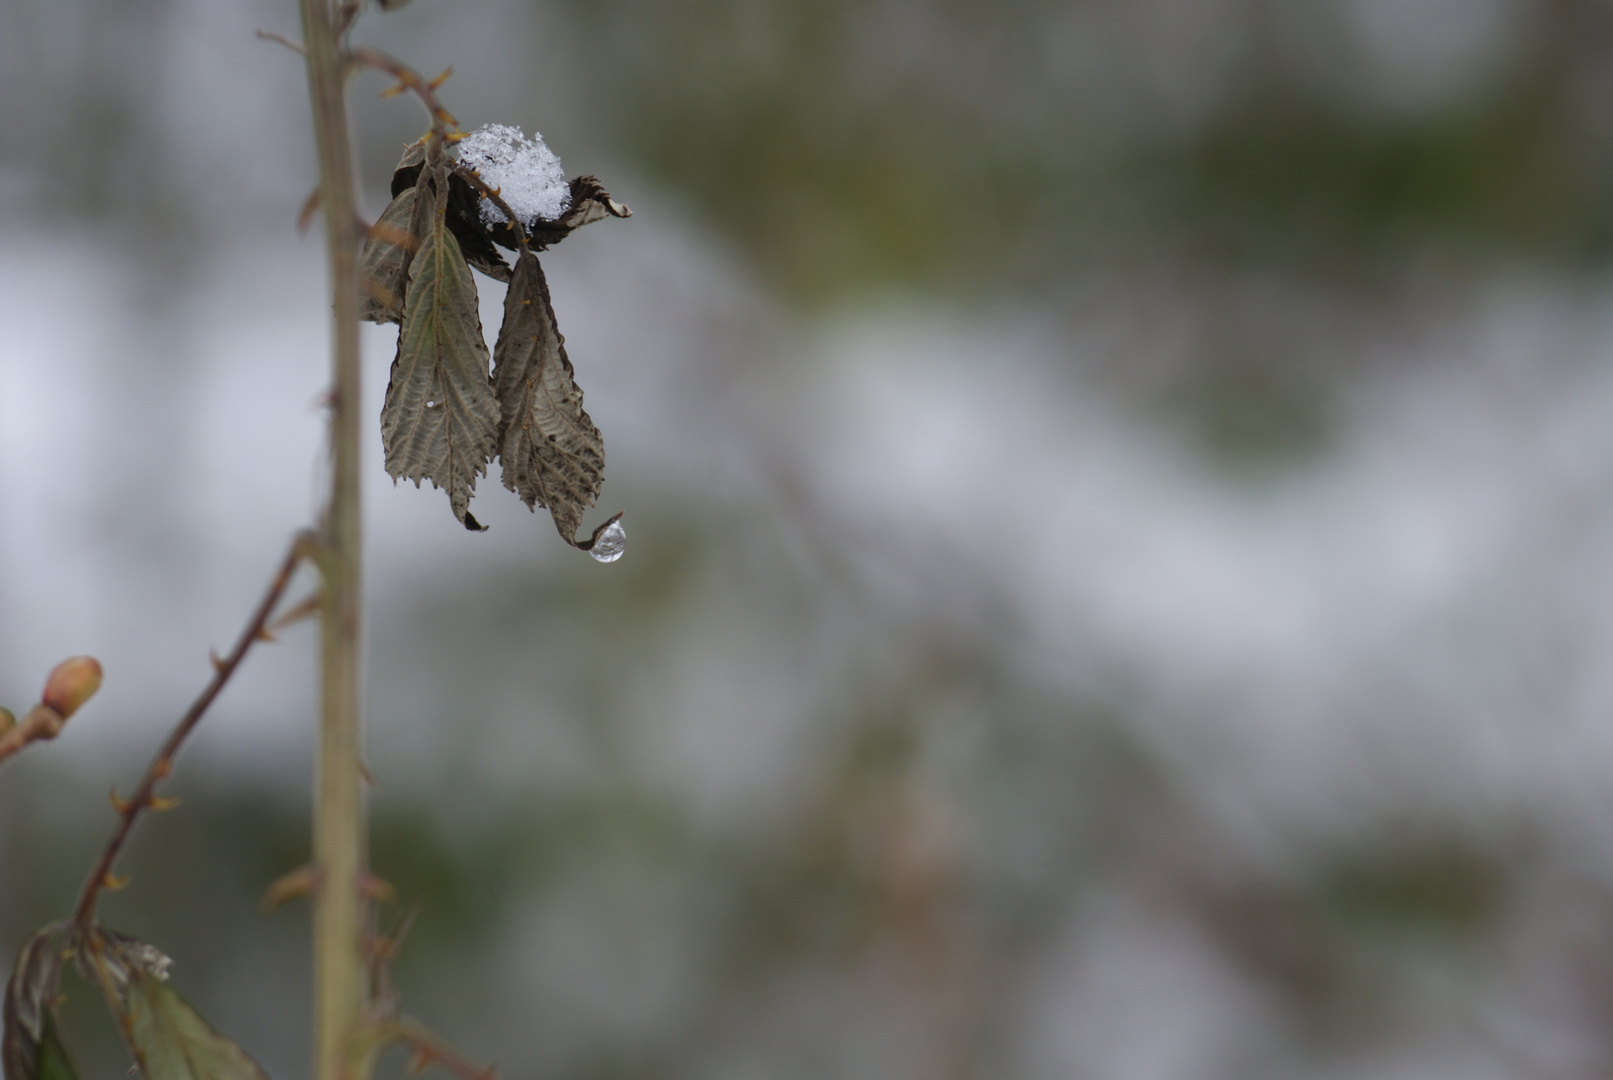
x=441 y=119
x=163 y=764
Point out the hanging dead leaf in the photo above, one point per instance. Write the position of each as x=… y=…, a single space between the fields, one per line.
x=590 y=202
x=463 y=216
x=383 y=262
x=551 y=452
x=414 y=155
x=31 y=1048
x=475 y=239
x=440 y=420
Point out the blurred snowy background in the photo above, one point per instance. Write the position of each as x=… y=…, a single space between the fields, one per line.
x=1120 y=497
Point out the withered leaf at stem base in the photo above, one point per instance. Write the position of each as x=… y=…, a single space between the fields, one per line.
x=440 y=421
x=31 y=1048
x=551 y=452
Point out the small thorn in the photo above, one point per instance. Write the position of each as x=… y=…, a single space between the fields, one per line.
x=112 y=882
x=394 y=91
x=304 y=610
x=119 y=803
x=280 y=40
x=447 y=72
x=217 y=660
x=299 y=882
x=266 y=634
x=161 y=804
x=162 y=768
x=380 y=947
x=376 y=888
x=310 y=207
x=454 y=136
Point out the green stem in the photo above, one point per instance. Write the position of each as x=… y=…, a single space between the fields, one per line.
x=339 y=818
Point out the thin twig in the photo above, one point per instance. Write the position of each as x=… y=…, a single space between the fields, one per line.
x=410 y=79
x=163 y=764
x=491 y=194
x=41 y=723
x=281 y=39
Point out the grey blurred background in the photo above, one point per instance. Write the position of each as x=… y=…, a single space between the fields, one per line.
x=1120 y=549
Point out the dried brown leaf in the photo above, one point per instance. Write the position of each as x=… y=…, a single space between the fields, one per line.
x=383 y=262
x=551 y=452
x=590 y=202
x=463 y=216
x=440 y=420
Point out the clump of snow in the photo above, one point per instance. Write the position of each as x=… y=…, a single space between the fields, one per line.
x=525 y=172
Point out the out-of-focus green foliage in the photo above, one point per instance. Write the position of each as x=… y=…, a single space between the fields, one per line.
x=848 y=145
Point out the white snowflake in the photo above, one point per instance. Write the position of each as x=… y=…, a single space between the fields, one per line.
x=525 y=172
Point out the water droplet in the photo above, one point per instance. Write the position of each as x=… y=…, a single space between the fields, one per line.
x=610 y=541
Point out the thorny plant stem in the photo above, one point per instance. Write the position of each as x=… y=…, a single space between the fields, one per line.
x=340 y=835
x=145 y=796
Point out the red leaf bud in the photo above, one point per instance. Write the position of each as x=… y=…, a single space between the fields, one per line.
x=73 y=682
